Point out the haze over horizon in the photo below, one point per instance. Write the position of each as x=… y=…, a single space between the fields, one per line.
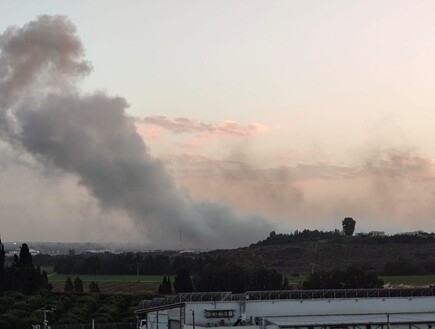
x=222 y=120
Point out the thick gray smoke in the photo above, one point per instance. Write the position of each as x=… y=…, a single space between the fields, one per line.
x=92 y=137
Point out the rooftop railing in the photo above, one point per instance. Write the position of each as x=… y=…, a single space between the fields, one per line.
x=282 y=295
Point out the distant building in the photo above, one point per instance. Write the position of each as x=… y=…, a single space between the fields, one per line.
x=11 y=253
x=415 y=233
x=377 y=233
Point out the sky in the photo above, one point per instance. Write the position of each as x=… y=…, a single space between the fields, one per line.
x=214 y=122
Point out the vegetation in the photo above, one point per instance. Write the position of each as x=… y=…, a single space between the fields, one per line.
x=69 y=285
x=21 y=311
x=183 y=281
x=22 y=276
x=409 y=280
x=351 y=278
x=348 y=226
x=108 y=277
x=218 y=276
x=94 y=287
x=297 y=236
x=108 y=263
x=166 y=287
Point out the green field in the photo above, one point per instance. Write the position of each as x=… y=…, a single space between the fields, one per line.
x=411 y=280
x=101 y=277
x=296 y=279
x=54 y=277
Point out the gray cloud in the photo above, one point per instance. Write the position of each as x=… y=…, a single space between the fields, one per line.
x=386 y=189
x=92 y=137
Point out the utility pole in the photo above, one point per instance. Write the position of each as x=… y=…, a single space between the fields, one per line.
x=193 y=319
x=388 y=320
x=45 y=311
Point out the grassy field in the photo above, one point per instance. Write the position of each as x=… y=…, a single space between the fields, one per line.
x=411 y=280
x=54 y=277
x=102 y=278
x=296 y=279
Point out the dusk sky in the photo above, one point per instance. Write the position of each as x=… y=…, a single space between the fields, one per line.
x=279 y=115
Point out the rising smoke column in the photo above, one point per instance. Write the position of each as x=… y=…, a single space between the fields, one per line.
x=43 y=113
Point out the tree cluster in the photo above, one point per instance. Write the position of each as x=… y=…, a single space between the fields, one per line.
x=351 y=278
x=217 y=275
x=238 y=279
x=166 y=287
x=21 y=275
x=108 y=263
x=305 y=235
x=76 y=286
x=405 y=266
x=19 y=311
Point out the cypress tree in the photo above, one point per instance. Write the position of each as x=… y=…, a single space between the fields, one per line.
x=169 y=290
x=2 y=268
x=183 y=282
x=69 y=285
x=164 y=286
x=78 y=285
x=93 y=287
x=25 y=260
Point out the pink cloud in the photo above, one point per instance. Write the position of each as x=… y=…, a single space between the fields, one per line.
x=147 y=132
x=222 y=128
x=288 y=155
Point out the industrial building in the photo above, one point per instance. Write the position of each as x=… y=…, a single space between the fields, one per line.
x=294 y=309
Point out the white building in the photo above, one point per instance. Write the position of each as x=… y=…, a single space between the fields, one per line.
x=304 y=309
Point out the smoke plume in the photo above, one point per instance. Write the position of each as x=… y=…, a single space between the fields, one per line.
x=43 y=113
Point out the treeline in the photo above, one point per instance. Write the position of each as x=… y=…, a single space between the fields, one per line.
x=218 y=275
x=200 y=266
x=351 y=278
x=21 y=275
x=337 y=236
x=128 y=263
x=305 y=235
x=204 y=272
x=404 y=266
x=108 y=263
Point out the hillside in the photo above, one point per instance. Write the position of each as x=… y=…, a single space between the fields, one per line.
x=301 y=256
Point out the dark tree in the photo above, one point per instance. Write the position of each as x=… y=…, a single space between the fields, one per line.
x=183 y=282
x=44 y=281
x=162 y=287
x=348 y=226
x=93 y=287
x=69 y=285
x=25 y=260
x=78 y=285
x=165 y=288
x=169 y=285
x=2 y=268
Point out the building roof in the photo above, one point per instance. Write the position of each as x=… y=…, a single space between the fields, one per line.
x=172 y=300
x=351 y=319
